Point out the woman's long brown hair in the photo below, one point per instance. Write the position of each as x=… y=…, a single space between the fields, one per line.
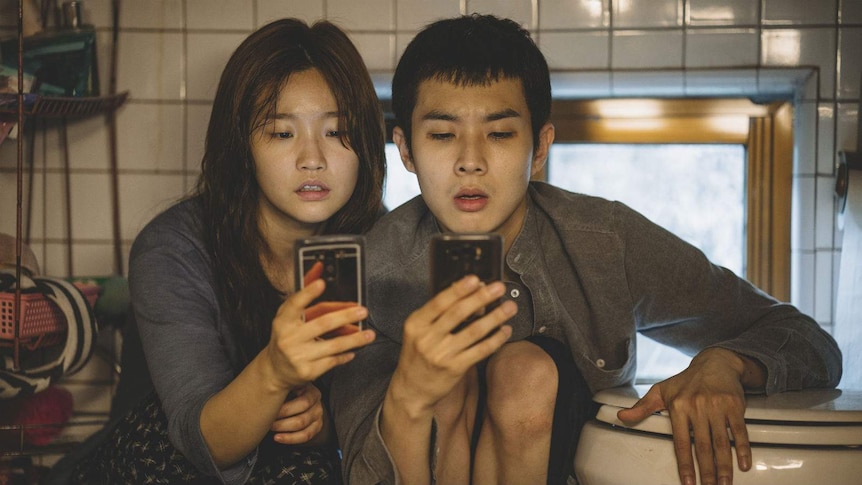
x=228 y=189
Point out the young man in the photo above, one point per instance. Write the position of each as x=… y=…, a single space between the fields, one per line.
x=472 y=100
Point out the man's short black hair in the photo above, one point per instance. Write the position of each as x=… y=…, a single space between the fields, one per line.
x=472 y=50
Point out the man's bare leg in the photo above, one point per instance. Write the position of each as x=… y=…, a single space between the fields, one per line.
x=515 y=439
x=455 y=416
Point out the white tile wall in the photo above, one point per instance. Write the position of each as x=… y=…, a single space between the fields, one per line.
x=826 y=138
x=824 y=215
x=160 y=14
x=520 y=11
x=806 y=126
x=412 y=15
x=207 y=55
x=803 y=224
x=198 y=116
x=720 y=48
x=805 y=47
x=847 y=127
x=628 y=14
x=376 y=49
x=799 y=12
x=804 y=289
x=851 y=12
x=150 y=65
x=171 y=53
x=722 y=12
x=147 y=137
x=365 y=15
x=850 y=63
x=636 y=49
x=566 y=14
x=576 y=50
x=142 y=196
x=308 y=10
x=823 y=287
x=219 y=15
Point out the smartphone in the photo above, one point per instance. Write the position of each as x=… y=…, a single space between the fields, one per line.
x=454 y=256
x=342 y=267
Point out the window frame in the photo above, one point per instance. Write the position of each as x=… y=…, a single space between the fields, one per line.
x=765 y=130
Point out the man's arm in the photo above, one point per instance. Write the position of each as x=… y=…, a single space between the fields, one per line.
x=432 y=363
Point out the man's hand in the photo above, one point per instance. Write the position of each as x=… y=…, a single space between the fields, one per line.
x=433 y=359
x=704 y=401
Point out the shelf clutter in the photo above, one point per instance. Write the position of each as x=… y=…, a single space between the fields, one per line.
x=59 y=107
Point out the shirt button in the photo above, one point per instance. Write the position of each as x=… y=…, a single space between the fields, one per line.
x=542 y=329
x=600 y=363
x=515 y=293
x=517 y=257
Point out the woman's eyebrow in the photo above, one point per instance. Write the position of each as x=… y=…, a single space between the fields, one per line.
x=290 y=116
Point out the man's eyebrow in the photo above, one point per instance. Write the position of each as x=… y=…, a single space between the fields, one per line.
x=506 y=113
x=439 y=115
x=497 y=115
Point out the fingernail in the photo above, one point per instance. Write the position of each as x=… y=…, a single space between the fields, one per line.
x=688 y=480
x=469 y=281
x=510 y=308
x=724 y=481
x=745 y=462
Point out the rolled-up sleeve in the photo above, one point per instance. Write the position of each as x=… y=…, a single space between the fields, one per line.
x=356 y=398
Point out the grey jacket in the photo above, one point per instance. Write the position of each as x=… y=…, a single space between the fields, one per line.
x=593 y=272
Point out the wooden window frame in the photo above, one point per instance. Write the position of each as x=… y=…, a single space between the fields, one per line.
x=765 y=130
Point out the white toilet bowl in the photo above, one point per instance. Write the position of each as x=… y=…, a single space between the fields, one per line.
x=797 y=437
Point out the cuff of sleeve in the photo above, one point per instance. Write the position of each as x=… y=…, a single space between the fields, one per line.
x=240 y=472
x=377 y=457
x=776 y=369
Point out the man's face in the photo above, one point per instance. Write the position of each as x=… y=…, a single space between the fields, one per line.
x=472 y=152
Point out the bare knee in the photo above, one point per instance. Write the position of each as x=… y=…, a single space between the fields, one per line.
x=522 y=390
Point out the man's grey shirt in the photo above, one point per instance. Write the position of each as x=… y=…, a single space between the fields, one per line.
x=592 y=274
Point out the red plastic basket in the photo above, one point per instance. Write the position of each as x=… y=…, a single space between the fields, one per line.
x=42 y=322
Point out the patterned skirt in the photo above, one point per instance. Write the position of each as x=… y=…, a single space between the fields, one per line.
x=138 y=451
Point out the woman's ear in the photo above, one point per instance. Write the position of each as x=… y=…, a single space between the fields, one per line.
x=540 y=155
x=403 y=149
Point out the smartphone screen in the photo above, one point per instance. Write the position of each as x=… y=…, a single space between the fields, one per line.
x=454 y=256
x=339 y=261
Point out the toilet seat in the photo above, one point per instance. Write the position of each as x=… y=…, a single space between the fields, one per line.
x=814 y=417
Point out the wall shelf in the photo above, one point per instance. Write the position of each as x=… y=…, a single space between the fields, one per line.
x=59 y=107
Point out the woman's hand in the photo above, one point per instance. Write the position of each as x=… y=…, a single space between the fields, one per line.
x=297 y=353
x=301 y=418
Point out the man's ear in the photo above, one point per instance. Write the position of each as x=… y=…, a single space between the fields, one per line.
x=403 y=149
x=540 y=155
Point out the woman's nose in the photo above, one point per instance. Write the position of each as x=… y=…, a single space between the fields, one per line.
x=311 y=156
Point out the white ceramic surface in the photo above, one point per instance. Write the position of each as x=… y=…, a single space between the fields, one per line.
x=829 y=419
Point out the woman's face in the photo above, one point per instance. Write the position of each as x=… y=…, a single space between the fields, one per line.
x=304 y=171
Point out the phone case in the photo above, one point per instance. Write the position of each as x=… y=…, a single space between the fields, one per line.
x=454 y=256
x=343 y=259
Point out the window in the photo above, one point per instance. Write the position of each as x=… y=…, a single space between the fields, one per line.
x=695 y=191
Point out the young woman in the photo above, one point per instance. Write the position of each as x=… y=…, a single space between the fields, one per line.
x=295 y=147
